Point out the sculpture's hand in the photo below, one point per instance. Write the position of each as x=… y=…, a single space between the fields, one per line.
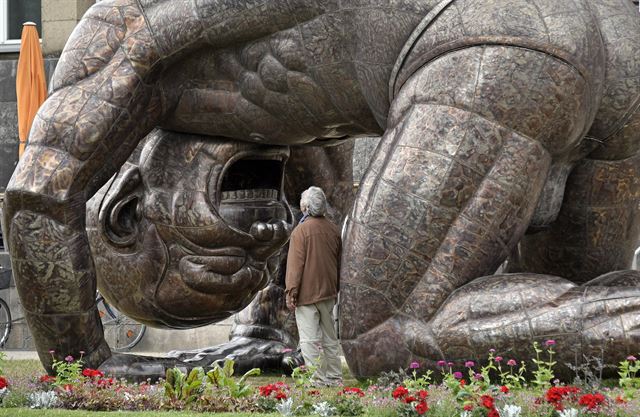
x=247 y=353
x=138 y=368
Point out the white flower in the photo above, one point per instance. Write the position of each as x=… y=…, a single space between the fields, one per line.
x=569 y=412
x=465 y=414
x=43 y=399
x=285 y=407
x=324 y=409
x=511 y=411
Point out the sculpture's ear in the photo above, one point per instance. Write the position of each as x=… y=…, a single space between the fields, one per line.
x=120 y=213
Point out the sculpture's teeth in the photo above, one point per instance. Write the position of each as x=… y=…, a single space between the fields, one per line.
x=251 y=194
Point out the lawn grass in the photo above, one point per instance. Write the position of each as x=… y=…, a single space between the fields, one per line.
x=22 y=368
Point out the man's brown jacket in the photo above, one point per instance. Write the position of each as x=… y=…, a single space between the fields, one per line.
x=313 y=262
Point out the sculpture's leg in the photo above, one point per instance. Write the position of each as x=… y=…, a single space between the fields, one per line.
x=599 y=319
x=84 y=131
x=598 y=227
x=451 y=190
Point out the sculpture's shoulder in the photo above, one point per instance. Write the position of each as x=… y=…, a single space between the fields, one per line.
x=565 y=29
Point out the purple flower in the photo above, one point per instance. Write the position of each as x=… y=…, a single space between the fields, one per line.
x=69 y=358
x=477 y=377
x=414 y=365
x=492 y=351
x=51 y=351
x=550 y=343
x=498 y=359
x=442 y=363
x=631 y=358
x=512 y=362
x=449 y=364
x=469 y=364
x=457 y=375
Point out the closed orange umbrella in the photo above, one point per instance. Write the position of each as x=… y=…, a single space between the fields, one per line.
x=31 y=88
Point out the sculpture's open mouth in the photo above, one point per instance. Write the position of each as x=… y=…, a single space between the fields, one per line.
x=251 y=189
x=250 y=192
x=253 y=177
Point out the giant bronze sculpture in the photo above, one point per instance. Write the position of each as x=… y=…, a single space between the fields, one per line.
x=509 y=128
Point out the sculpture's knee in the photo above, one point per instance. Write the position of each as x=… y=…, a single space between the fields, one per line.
x=538 y=95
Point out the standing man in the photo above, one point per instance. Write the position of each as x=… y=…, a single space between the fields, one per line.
x=313 y=265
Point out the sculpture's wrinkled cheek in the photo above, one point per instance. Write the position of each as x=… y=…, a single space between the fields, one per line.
x=129 y=279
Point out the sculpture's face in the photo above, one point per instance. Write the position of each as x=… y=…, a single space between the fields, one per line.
x=187 y=236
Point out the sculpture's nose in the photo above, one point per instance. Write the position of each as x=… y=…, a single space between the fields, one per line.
x=269 y=237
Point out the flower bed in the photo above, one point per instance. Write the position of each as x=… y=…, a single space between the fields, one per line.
x=496 y=389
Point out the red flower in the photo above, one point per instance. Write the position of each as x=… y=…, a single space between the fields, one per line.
x=409 y=399
x=463 y=382
x=280 y=395
x=487 y=401
x=592 y=401
x=3 y=382
x=352 y=390
x=422 y=407
x=314 y=392
x=493 y=413
x=468 y=407
x=102 y=383
x=555 y=395
x=504 y=389
x=423 y=394
x=47 y=379
x=92 y=373
x=400 y=392
x=620 y=400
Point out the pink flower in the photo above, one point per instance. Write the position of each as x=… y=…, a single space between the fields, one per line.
x=449 y=364
x=414 y=365
x=69 y=358
x=51 y=351
x=550 y=343
x=442 y=363
x=631 y=358
x=287 y=350
x=492 y=351
x=469 y=364
x=512 y=362
x=457 y=375
x=498 y=359
x=477 y=377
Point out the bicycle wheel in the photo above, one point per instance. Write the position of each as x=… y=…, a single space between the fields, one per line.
x=5 y=322
x=121 y=332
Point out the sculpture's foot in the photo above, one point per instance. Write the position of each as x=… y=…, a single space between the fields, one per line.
x=247 y=353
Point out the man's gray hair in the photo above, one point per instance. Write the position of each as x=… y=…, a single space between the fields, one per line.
x=315 y=201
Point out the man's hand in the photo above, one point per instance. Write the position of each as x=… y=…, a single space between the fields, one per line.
x=291 y=304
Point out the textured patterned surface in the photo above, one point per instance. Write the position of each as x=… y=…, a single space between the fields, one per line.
x=496 y=117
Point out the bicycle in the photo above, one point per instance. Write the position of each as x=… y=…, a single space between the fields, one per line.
x=5 y=312
x=122 y=332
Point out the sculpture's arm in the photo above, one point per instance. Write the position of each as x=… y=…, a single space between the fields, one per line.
x=451 y=189
x=103 y=102
x=181 y=23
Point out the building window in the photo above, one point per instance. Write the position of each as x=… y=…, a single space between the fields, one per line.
x=13 y=13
